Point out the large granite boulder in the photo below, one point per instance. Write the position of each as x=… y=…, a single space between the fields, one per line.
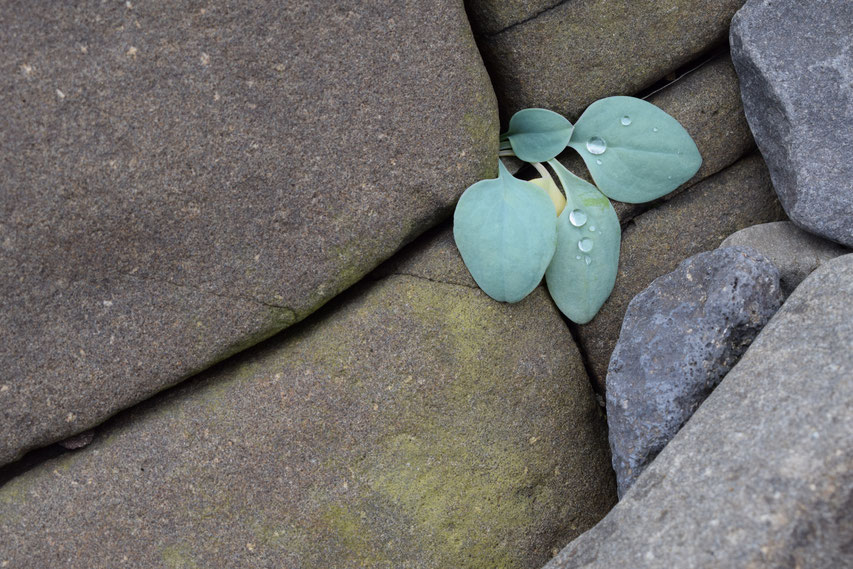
x=414 y=423
x=565 y=55
x=180 y=181
x=680 y=337
x=655 y=242
x=793 y=251
x=795 y=62
x=762 y=474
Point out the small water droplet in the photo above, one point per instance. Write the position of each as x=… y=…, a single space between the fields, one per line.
x=655 y=129
x=578 y=257
x=588 y=259
x=669 y=177
x=598 y=161
x=577 y=217
x=596 y=145
x=585 y=244
x=626 y=120
x=592 y=228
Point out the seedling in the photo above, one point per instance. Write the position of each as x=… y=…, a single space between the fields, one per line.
x=512 y=232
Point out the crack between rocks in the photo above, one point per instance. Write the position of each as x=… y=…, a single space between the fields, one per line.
x=423 y=278
x=525 y=20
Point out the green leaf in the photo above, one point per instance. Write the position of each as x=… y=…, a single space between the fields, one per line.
x=506 y=232
x=537 y=135
x=634 y=151
x=583 y=271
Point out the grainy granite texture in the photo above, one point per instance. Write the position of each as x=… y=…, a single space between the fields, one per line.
x=655 y=242
x=679 y=338
x=566 y=56
x=795 y=252
x=414 y=422
x=181 y=180
x=795 y=62
x=762 y=474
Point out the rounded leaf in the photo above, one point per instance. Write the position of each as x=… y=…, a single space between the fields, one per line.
x=506 y=232
x=583 y=270
x=634 y=151
x=537 y=135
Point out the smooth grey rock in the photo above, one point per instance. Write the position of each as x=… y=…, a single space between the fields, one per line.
x=796 y=253
x=181 y=180
x=415 y=422
x=762 y=474
x=680 y=337
x=565 y=55
x=655 y=242
x=795 y=62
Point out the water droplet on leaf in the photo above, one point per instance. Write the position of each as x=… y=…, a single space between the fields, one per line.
x=585 y=244
x=596 y=145
x=577 y=217
x=588 y=259
x=626 y=120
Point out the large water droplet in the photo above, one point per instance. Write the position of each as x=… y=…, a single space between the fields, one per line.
x=585 y=244
x=588 y=259
x=596 y=145
x=577 y=217
x=626 y=120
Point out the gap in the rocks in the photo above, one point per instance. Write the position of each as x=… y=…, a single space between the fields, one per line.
x=686 y=69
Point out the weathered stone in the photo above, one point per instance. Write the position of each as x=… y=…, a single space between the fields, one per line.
x=180 y=182
x=655 y=242
x=795 y=62
x=707 y=103
x=414 y=423
x=680 y=337
x=795 y=252
x=762 y=474
x=565 y=56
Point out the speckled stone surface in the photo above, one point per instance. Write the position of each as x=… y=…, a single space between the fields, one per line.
x=678 y=340
x=655 y=242
x=795 y=252
x=181 y=180
x=413 y=422
x=762 y=474
x=565 y=55
x=795 y=63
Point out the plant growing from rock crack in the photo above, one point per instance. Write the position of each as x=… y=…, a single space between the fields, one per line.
x=512 y=232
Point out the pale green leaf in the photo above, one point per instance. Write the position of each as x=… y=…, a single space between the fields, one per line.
x=537 y=135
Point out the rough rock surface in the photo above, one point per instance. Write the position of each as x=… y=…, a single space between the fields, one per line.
x=655 y=242
x=762 y=474
x=707 y=103
x=795 y=62
x=795 y=252
x=565 y=55
x=181 y=181
x=412 y=423
x=680 y=337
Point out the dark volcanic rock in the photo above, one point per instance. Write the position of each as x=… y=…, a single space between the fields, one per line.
x=793 y=251
x=679 y=338
x=655 y=242
x=762 y=474
x=795 y=62
x=414 y=423
x=180 y=181
x=565 y=55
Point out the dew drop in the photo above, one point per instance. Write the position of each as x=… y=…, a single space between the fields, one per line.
x=577 y=217
x=585 y=244
x=596 y=145
x=598 y=161
x=655 y=129
x=588 y=259
x=626 y=120
x=578 y=257
x=592 y=228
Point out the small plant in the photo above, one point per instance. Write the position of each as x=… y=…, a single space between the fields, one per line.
x=512 y=232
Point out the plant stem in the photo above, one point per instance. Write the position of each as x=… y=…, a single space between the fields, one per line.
x=506 y=153
x=543 y=171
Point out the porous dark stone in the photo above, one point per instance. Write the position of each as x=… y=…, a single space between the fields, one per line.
x=762 y=474
x=680 y=337
x=414 y=422
x=181 y=180
x=795 y=63
x=655 y=242
x=565 y=55
x=796 y=253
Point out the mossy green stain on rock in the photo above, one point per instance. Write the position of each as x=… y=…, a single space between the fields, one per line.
x=178 y=557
